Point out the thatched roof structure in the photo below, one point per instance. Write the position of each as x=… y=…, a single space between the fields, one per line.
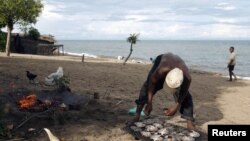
x=49 y=38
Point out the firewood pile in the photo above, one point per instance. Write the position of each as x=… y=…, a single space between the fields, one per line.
x=45 y=103
x=43 y=100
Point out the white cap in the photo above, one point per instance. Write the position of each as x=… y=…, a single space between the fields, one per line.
x=174 y=78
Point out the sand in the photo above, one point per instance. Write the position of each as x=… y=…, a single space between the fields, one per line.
x=216 y=101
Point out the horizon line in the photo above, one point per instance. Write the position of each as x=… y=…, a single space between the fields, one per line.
x=154 y=39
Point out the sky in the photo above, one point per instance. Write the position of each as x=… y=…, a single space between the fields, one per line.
x=152 y=19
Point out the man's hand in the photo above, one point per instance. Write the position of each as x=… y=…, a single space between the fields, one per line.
x=172 y=110
x=148 y=109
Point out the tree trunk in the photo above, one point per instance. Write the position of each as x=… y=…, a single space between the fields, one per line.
x=8 y=42
x=131 y=50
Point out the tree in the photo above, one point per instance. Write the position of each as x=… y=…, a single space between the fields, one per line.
x=132 y=39
x=12 y=11
x=2 y=24
x=2 y=36
x=2 y=41
x=24 y=26
x=34 y=33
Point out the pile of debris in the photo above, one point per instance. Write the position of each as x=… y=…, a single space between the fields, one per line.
x=26 y=105
x=47 y=99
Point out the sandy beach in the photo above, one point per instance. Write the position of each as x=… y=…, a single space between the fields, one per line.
x=216 y=100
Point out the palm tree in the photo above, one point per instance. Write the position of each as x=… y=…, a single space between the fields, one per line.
x=132 y=39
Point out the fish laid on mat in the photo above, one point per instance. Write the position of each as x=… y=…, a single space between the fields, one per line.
x=158 y=125
x=145 y=133
x=151 y=128
x=156 y=138
x=194 y=134
x=136 y=129
x=140 y=124
x=163 y=131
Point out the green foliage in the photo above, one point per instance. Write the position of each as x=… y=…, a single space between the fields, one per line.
x=133 y=38
x=34 y=33
x=1 y=110
x=2 y=41
x=62 y=82
x=2 y=24
x=12 y=11
x=3 y=130
x=24 y=26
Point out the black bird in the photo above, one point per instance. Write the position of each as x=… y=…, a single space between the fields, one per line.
x=30 y=76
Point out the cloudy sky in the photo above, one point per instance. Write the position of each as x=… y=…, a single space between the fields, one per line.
x=153 y=19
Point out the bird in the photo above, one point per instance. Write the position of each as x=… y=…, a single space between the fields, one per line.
x=50 y=80
x=50 y=135
x=30 y=76
x=56 y=75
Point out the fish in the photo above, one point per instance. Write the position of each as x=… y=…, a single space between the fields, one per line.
x=194 y=134
x=163 y=131
x=145 y=133
x=136 y=129
x=140 y=124
x=156 y=138
x=158 y=125
x=151 y=128
x=187 y=138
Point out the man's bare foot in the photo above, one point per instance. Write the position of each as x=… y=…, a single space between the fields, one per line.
x=190 y=125
x=136 y=119
x=147 y=110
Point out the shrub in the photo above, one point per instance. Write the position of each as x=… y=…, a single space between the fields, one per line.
x=3 y=130
x=34 y=33
x=62 y=82
x=2 y=41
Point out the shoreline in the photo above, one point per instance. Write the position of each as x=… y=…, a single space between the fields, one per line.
x=77 y=58
x=108 y=59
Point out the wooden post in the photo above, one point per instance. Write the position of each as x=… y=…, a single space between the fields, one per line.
x=82 y=58
x=96 y=95
x=58 y=50
x=63 y=49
